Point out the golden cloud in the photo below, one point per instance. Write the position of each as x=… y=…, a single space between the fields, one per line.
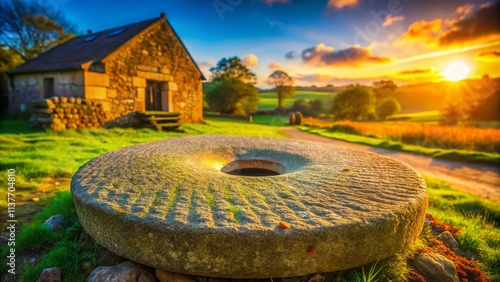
x=488 y=56
x=322 y=55
x=251 y=61
x=390 y=20
x=422 y=30
x=479 y=26
x=339 y=4
x=275 y=66
x=482 y=24
x=417 y=72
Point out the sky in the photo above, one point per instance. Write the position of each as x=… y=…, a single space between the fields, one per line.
x=320 y=42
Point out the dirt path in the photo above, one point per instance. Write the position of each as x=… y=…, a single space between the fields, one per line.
x=482 y=180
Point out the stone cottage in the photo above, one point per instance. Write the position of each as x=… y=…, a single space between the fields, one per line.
x=138 y=67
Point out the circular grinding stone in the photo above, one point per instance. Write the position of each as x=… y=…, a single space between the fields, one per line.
x=175 y=204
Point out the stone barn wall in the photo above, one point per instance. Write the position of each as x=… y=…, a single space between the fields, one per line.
x=29 y=87
x=155 y=55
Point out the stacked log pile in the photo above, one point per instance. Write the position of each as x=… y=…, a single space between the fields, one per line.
x=67 y=113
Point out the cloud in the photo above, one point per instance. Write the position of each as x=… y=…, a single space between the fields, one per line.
x=416 y=71
x=251 y=61
x=322 y=55
x=271 y=2
x=481 y=24
x=488 y=56
x=339 y=4
x=275 y=66
x=390 y=20
x=465 y=9
x=291 y=55
x=422 y=30
x=478 y=26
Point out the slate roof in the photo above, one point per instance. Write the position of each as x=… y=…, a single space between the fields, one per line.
x=75 y=52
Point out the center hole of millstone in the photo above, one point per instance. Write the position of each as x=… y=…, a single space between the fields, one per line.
x=253 y=168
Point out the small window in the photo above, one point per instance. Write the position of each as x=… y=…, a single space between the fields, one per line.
x=117 y=31
x=90 y=37
x=97 y=67
x=48 y=87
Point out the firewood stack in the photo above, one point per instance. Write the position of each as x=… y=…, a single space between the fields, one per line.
x=61 y=113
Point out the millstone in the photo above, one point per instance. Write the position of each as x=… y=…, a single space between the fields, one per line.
x=249 y=207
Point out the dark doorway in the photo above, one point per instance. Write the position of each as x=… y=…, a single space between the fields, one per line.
x=48 y=88
x=153 y=96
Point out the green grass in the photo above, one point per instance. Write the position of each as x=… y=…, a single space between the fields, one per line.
x=438 y=153
x=479 y=218
x=39 y=154
x=269 y=100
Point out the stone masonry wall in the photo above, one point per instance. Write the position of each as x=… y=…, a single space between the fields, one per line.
x=29 y=87
x=155 y=55
x=67 y=113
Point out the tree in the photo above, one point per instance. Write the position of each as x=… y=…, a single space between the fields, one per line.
x=232 y=68
x=384 y=89
x=30 y=28
x=231 y=96
x=8 y=60
x=284 y=86
x=486 y=108
x=233 y=90
x=355 y=103
x=388 y=107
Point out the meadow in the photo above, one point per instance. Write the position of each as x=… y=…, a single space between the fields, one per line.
x=45 y=160
x=269 y=100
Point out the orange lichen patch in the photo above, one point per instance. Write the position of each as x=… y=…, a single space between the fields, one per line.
x=311 y=250
x=120 y=211
x=439 y=226
x=467 y=269
x=415 y=277
x=284 y=225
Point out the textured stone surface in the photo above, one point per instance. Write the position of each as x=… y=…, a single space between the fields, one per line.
x=449 y=241
x=167 y=204
x=435 y=267
x=166 y=276
x=52 y=274
x=55 y=222
x=124 y=272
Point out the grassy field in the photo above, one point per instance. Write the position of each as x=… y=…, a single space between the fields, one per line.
x=428 y=116
x=42 y=159
x=269 y=100
x=447 y=142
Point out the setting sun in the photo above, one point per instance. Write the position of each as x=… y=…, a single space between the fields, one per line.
x=456 y=71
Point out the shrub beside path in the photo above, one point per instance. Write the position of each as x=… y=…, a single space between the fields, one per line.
x=479 y=179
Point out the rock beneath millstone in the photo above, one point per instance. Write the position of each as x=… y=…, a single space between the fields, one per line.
x=435 y=267
x=125 y=272
x=55 y=222
x=166 y=276
x=52 y=274
x=195 y=205
x=108 y=258
x=87 y=267
x=449 y=241
x=316 y=278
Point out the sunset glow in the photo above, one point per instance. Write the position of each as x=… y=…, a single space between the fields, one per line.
x=456 y=71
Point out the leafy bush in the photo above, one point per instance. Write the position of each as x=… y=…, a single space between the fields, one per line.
x=356 y=103
x=388 y=107
x=232 y=97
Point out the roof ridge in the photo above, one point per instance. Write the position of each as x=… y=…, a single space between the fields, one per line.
x=118 y=27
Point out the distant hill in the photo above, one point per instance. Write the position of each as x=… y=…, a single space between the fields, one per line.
x=435 y=96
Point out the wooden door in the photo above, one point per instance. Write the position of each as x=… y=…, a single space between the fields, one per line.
x=153 y=96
